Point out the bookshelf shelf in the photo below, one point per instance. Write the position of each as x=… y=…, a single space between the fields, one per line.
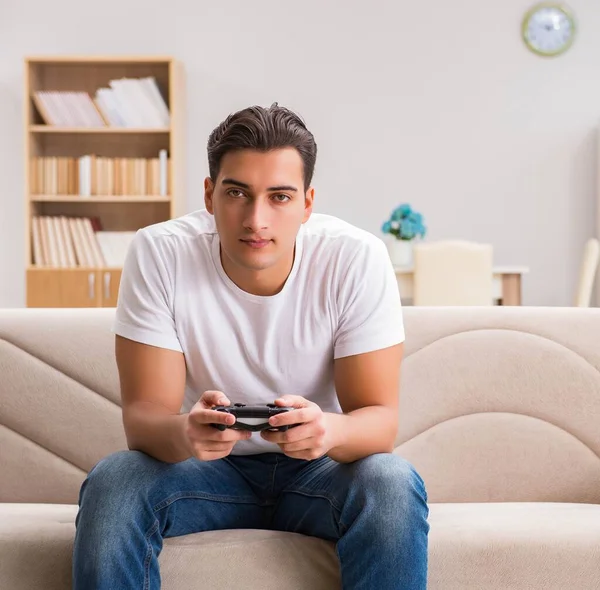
x=94 y=130
x=42 y=269
x=99 y=199
x=103 y=158
x=107 y=60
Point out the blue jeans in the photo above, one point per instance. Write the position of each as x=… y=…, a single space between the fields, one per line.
x=374 y=509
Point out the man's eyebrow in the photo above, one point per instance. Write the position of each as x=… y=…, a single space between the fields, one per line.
x=235 y=182
x=241 y=184
x=283 y=187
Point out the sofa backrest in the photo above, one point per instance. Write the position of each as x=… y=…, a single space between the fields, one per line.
x=502 y=404
x=59 y=408
x=496 y=404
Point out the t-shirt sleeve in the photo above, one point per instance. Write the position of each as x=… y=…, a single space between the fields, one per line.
x=369 y=307
x=145 y=301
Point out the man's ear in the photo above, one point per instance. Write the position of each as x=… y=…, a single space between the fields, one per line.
x=209 y=188
x=309 y=198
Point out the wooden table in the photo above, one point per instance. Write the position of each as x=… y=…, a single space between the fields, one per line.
x=506 y=284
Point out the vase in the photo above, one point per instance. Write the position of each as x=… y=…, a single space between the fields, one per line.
x=401 y=252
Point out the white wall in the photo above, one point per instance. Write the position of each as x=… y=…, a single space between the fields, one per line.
x=436 y=103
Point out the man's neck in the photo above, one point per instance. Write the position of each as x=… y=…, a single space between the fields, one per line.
x=264 y=283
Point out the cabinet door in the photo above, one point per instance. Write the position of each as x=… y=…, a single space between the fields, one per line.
x=62 y=288
x=109 y=287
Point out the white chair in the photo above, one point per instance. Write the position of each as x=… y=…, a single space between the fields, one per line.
x=587 y=273
x=453 y=272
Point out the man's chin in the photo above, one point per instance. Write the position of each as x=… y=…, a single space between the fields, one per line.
x=255 y=262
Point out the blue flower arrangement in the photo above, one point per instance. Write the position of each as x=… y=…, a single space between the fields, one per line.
x=404 y=223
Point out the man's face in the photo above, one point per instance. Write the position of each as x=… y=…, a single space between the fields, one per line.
x=259 y=203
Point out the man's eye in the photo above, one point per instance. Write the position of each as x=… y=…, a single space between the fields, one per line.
x=281 y=198
x=235 y=193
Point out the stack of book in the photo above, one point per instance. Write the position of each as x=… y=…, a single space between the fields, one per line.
x=95 y=175
x=126 y=102
x=71 y=242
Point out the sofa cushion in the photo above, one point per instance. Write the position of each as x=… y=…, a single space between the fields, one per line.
x=496 y=546
x=36 y=544
x=516 y=546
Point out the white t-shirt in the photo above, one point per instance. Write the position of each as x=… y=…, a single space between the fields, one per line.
x=340 y=299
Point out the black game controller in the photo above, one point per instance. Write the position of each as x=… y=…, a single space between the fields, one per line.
x=253 y=418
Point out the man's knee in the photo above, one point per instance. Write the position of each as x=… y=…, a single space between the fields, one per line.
x=119 y=474
x=387 y=477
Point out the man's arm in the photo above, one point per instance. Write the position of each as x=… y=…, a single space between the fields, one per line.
x=152 y=390
x=367 y=388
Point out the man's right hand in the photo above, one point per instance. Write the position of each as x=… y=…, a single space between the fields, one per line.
x=206 y=442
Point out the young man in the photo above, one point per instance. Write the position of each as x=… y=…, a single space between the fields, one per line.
x=256 y=300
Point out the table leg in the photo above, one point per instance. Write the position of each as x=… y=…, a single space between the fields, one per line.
x=511 y=289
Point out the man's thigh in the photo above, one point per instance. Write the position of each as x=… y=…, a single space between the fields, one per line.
x=187 y=497
x=325 y=496
x=311 y=501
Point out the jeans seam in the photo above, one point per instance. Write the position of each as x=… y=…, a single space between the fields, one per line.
x=149 y=552
x=274 y=471
x=312 y=494
x=323 y=496
x=202 y=496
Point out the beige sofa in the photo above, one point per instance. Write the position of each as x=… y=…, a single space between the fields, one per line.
x=500 y=413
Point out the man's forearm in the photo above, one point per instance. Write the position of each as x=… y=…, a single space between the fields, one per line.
x=154 y=431
x=361 y=433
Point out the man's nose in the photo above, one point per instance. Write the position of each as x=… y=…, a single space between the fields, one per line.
x=257 y=214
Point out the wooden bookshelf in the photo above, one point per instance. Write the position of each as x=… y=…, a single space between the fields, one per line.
x=121 y=156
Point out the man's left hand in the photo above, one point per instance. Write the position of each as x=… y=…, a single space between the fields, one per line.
x=312 y=439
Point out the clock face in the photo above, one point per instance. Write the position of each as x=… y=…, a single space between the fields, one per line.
x=548 y=29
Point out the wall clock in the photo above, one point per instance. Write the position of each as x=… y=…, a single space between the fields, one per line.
x=548 y=29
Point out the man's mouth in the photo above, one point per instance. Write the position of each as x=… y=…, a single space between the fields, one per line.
x=256 y=244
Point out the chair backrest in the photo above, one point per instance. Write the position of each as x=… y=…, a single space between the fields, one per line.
x=453 y=272
x=587 y=272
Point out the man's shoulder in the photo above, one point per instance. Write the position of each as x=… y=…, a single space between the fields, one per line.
x=187 y=238
x=330 y=234
x=192 y=225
